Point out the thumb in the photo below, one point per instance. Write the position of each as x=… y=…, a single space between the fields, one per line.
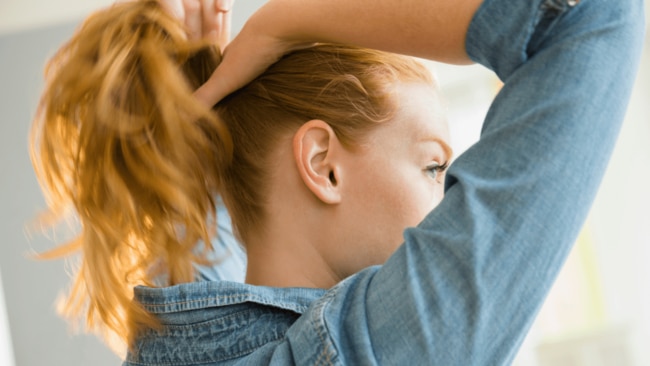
x=241 y=63
x=244 y=59
x=216 y=88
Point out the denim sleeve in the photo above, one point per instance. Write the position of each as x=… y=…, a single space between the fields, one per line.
x=468 y=281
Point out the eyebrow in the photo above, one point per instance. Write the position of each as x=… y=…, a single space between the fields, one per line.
x=445 y=147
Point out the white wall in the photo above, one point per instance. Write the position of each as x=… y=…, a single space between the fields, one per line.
x=24 y=15
x=6 y=349
x=20 y=15
x=620 y=220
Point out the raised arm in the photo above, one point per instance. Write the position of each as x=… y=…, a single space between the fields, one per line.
x=433 y=29
x=467 y=283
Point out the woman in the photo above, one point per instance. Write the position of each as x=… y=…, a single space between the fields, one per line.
x=465 y=284
x=143 y=172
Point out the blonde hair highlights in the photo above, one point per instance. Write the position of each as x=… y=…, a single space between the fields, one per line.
x=120 y=140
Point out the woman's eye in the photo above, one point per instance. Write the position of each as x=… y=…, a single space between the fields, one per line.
x=435 y=169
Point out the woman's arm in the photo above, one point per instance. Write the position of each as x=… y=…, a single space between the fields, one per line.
x=467 y=283
x=433 y=29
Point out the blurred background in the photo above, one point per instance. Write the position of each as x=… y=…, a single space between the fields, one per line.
x=597 y=314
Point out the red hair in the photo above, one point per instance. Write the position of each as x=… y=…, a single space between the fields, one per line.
x=121 y=141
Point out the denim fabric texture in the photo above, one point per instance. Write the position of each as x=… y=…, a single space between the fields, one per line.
x=468 y=281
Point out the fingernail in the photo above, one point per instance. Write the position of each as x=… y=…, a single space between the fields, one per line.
x=223 y=5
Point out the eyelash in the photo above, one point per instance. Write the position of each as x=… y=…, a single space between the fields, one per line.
x=437 y=168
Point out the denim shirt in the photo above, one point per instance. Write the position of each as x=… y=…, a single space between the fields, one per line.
x=466 y=284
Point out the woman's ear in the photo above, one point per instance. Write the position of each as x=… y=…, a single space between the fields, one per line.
x=316 y=150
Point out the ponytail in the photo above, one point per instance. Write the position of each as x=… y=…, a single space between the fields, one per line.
x=119 y=140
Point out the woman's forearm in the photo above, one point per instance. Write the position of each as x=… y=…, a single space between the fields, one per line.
x=433 y=29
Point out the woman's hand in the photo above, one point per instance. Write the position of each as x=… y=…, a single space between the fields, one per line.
x=211 y=19
x=432 y=29
x=251 y=52
x=204 y=19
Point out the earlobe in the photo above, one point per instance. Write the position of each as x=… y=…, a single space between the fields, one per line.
x=315 y=147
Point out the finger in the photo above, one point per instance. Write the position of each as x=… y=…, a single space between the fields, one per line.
x=223 y=6
x=221 y=36
x=218 y=86
x=225 y=29
x=221 y=30
x=213 y=91
x=193 y=21
x=235 y=70
x=208 y=15
x=174 y=8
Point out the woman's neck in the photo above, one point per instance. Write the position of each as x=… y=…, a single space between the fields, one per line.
x=288 y=261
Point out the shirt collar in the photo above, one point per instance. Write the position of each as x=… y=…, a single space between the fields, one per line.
x=197 y=295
